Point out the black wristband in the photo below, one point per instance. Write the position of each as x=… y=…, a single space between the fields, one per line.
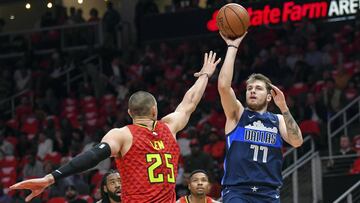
x=83 y=161
x=230 y=45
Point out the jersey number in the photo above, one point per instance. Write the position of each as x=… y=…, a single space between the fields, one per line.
x=256 y=152
x=156 y=161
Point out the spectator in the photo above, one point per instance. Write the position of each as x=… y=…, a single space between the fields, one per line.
x=94 y=15
x=198 y=159
x=215 y=147
x=6 y=147
x=345 y=146
x=313 y=56
x=5 y=83
x=22 y=76
x=45 y=145
x=72 y=196
x=2 y=24
x=4 y=198
x=111 y=19
x=72 y=17
x=33 y=168
x=79 y=16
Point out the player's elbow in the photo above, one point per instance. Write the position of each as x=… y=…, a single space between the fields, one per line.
x=297 y=143
x=223 y=87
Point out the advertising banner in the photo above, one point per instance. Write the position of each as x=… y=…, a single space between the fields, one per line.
x=271 y=13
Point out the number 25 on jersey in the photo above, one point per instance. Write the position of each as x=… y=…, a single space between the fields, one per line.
x=157 y=162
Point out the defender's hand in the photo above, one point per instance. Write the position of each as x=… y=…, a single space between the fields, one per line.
x=209 y=65
x=37 y=186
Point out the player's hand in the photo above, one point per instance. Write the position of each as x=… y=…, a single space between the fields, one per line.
x=235 y=42
x=279 y=98
x=209 y=65
x=36 y=185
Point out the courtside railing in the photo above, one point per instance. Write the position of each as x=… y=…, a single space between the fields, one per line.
x=296 y=160
x=339 y=123
x=351 y=195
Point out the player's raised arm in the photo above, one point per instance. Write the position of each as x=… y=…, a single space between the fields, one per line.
x=109 y=146
x=289 y=129
x=178 y=119
x=231 y=105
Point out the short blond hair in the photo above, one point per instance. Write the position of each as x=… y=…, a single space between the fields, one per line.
x=140 y=103
x=261 y=77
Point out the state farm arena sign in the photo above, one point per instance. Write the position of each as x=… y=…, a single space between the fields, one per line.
x=195 y=22
x=265 y=14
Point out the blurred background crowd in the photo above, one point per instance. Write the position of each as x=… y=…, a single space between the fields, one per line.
x=316 y=65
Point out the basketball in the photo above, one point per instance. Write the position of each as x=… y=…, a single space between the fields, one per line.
x=233 y=20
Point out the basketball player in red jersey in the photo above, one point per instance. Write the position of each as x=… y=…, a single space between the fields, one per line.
x=146 y=152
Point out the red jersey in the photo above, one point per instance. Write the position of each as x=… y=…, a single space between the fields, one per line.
x=148 y=170
x=185 y=199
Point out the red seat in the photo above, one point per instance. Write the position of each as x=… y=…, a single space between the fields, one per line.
x=108 y=99
x=297 y=88
x=88 y=198
x=310 y=127
x=8 y=171
x=356 y=167
x=69 y=102
x=30 y=126
x=57 y=200
x=13 y=140
x=12 y=123
x=8 y=161
x=53 y=157
x=96 y=178
x=88 y=100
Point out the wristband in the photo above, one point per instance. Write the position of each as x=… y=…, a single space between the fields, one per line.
x=207 y=75
x=230 y=45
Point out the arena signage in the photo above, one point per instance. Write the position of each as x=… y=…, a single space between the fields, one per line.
x=265 y=14
x=196 y=22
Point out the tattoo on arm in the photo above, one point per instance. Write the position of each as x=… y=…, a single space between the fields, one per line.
x=292 y=127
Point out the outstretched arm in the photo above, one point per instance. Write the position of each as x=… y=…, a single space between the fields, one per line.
x=231 y=105
x=289 y=129
x=110 y=145
x=178 y=119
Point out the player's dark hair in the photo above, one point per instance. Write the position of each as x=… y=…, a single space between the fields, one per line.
x=261 y=77
x=140 y=103
x=104 y=195
x=199 y=171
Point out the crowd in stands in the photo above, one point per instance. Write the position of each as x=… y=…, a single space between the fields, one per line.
x=319 y=73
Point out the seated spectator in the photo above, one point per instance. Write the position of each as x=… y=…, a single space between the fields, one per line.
x=72 y=195
x=345 y=146
x=22 y=76
x=45 y=145
x=215 y=147
x=198 y=159
x=6 y=147
x=343 y=164
x=33 y=168
x=4 y=198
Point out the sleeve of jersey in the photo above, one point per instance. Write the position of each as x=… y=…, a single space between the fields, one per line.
x=83 y=161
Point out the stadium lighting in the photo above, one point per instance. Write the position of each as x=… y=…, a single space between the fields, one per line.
x=27 y=5
x=49 y=5
x=80 y=1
